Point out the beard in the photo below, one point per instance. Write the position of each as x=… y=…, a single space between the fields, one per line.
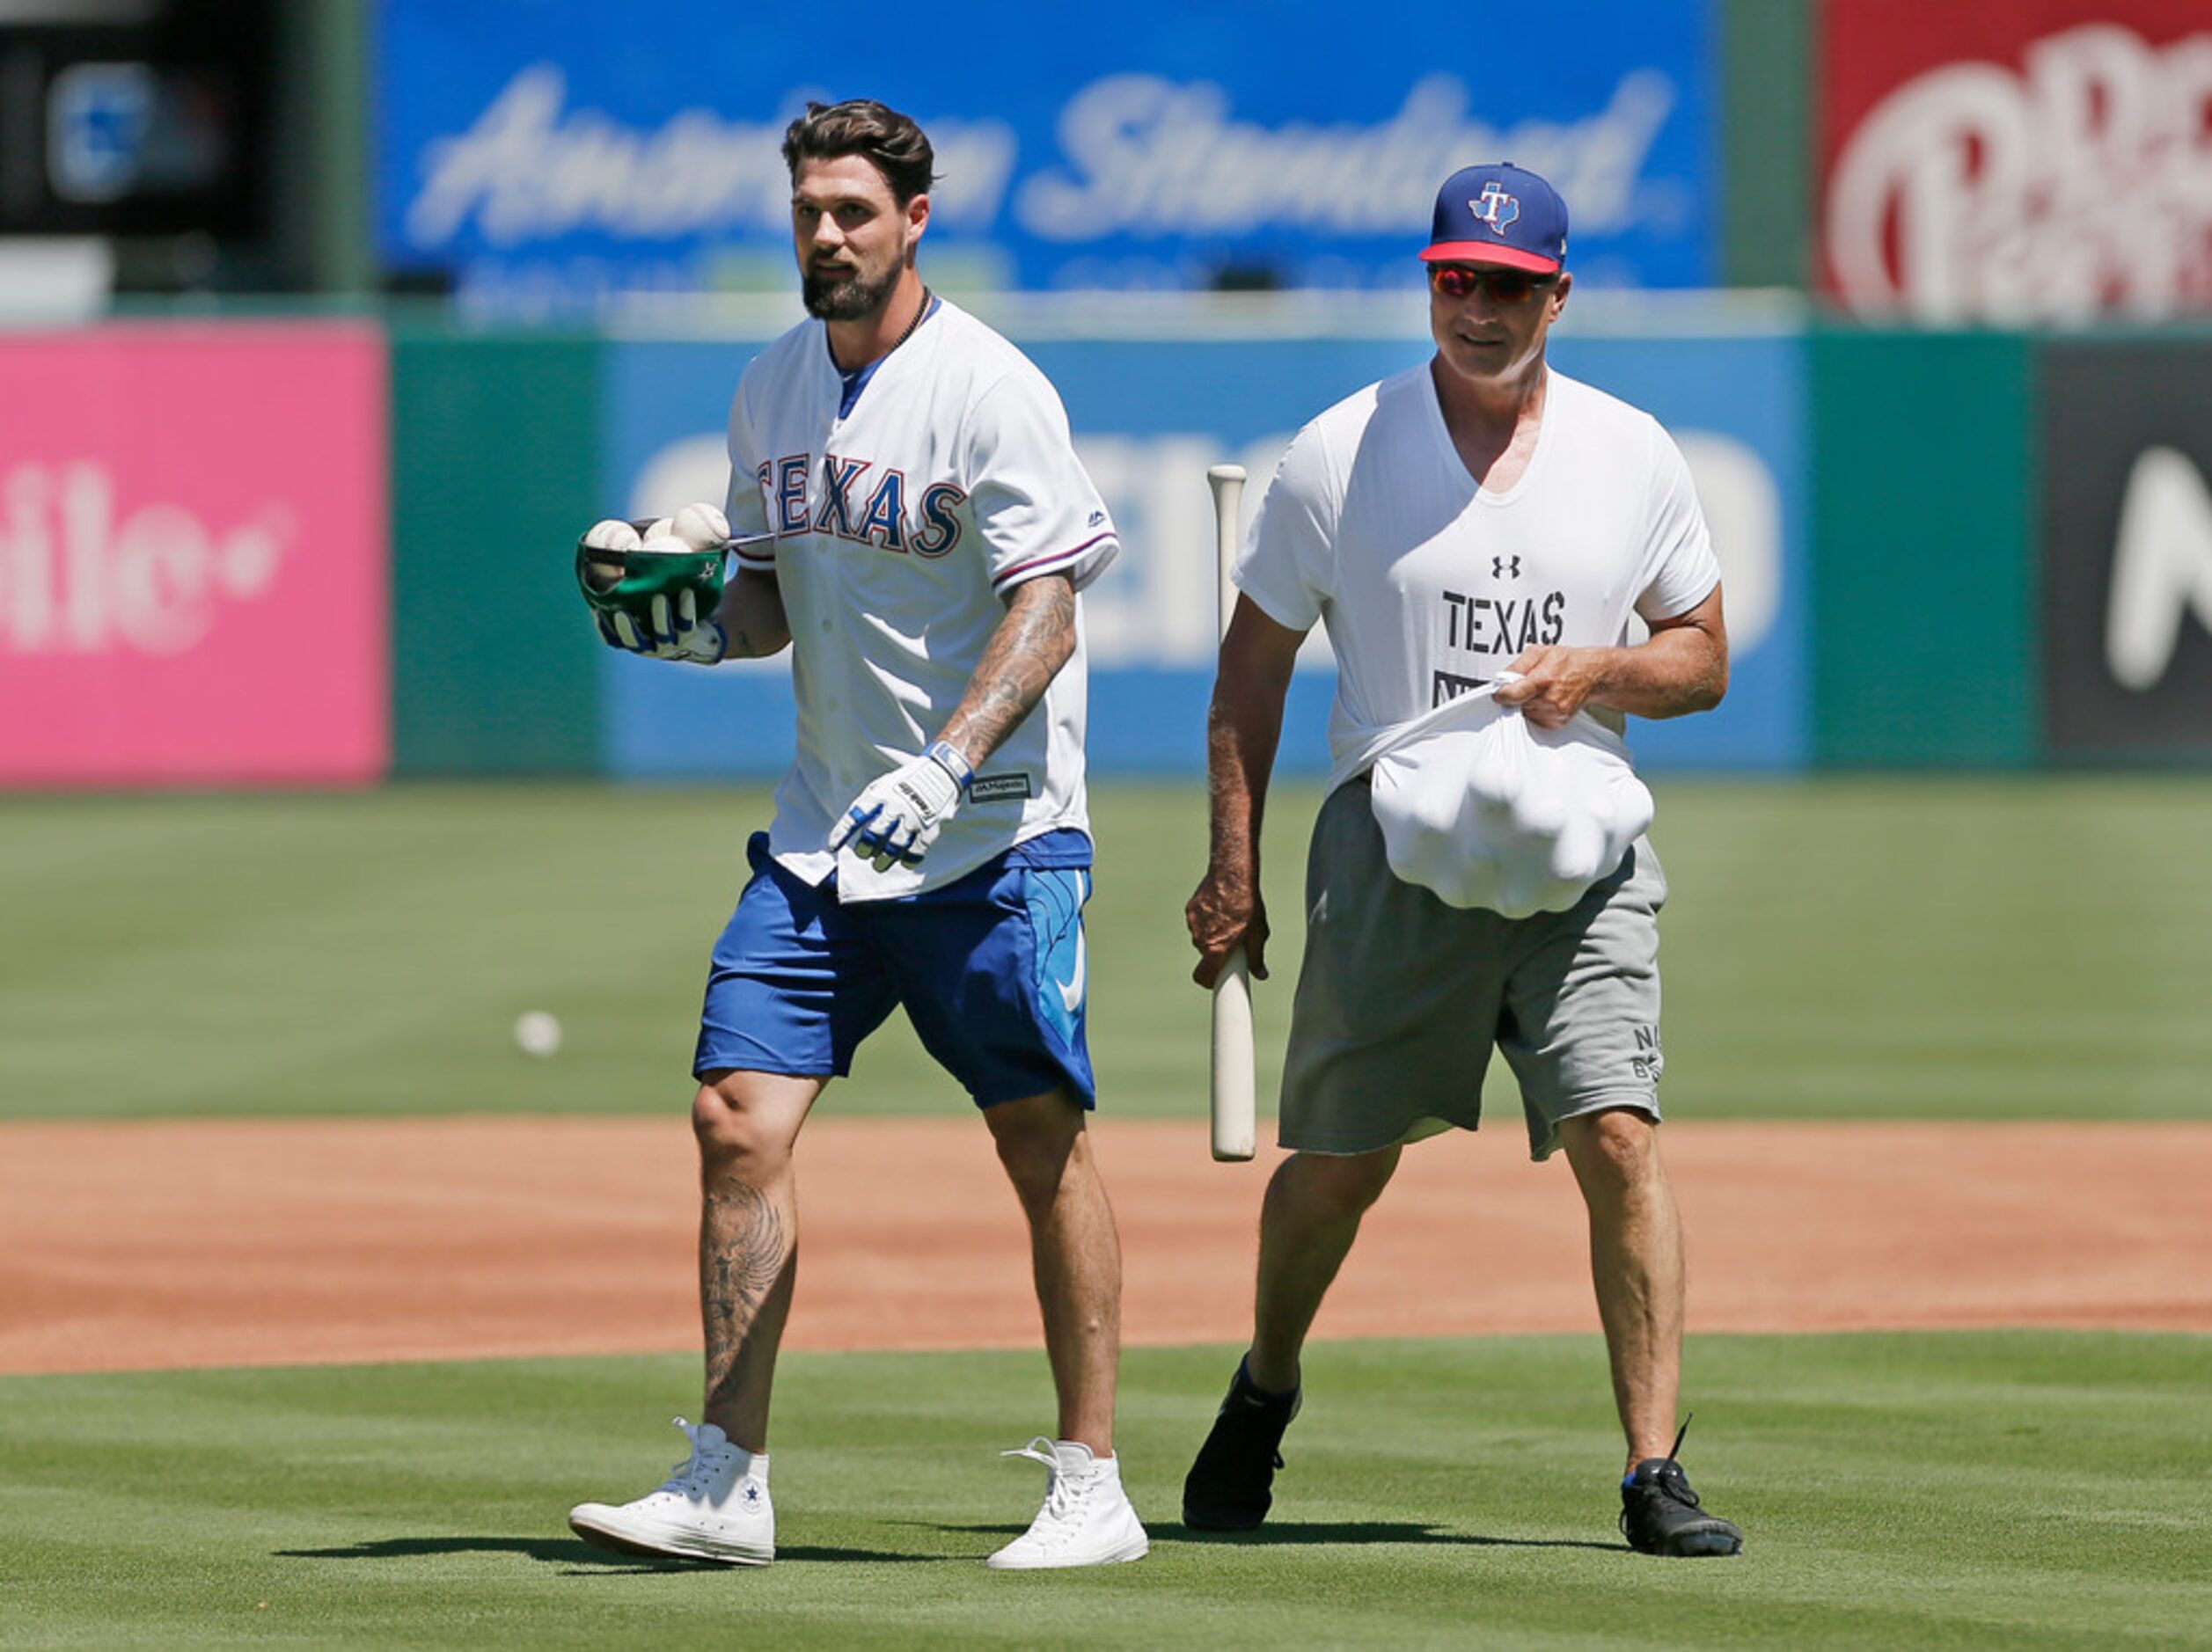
x=848 y=297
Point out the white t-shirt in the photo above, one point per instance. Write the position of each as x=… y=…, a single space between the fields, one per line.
x=1431 y=585
x=905 y=514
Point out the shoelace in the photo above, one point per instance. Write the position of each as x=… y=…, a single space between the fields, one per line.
x=1676 y=1485
x=1062 y=1493
x=684 y=1479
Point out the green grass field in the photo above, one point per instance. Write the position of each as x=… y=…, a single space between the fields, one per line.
x=1938 y=948
x=1841 y=950
x=1987 y=1490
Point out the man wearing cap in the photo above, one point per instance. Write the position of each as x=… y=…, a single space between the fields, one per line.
x=1480 y=524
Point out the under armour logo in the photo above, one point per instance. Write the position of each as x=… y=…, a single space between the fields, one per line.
x=1495 y=208
x=1501 y=567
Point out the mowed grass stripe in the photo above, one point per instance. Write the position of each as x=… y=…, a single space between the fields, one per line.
x=1859 y=948
x=2008 y=1489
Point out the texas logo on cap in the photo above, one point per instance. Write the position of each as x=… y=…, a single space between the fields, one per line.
x=1499 y=214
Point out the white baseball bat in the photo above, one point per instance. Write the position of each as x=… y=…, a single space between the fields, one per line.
x=1230 y=1094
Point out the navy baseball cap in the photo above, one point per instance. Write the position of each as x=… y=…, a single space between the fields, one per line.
x=1498 y=215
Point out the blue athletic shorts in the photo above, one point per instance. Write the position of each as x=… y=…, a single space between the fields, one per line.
x=991 y=968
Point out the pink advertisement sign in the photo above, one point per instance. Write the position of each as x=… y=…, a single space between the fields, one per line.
x=193 y=556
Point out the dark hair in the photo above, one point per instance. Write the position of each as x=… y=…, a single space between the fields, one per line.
x=889 y=140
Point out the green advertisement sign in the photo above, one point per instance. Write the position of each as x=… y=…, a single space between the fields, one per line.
x=496 y=468
x=1925 y=633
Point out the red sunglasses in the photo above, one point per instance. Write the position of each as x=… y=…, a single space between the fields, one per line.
x=1504 y=286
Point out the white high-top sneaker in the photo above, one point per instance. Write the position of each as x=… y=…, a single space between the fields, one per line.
x=714 y=1506
x=1087 y=1519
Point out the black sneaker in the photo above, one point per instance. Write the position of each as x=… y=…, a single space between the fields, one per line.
x=1659 y=1513
x=1228 y=1487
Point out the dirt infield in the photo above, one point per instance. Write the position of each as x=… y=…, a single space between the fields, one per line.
x=152 y=1246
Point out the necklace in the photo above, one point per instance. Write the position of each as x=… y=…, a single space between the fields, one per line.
x=856 y=377
x=921 y=309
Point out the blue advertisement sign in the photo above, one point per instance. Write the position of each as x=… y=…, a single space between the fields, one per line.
x=1736 y=406
x=1149 y=417
x=550 y=153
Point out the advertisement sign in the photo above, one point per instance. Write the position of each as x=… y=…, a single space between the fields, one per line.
x=1922 y=507
x=2018 y=161
x=1149 y=417
x=1736 y=408
x=139 y=120
x=2128 y=551
x=191 y=556
x=504 y=426
x=548 y=156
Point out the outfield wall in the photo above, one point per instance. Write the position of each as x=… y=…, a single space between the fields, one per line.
x=320 y=552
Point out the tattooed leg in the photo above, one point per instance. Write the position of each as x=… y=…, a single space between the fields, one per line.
x=748 y=1239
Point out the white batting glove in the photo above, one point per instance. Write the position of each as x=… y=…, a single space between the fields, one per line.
x=895 y=819
x=675 y=633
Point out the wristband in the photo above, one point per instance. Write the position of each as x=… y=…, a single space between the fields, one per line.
x=952 y=763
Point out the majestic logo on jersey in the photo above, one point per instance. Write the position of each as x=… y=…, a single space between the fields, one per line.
x=1000 y=788
x=1495 y=208
x=864 y=508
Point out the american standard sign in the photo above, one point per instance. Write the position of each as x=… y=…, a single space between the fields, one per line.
x=1140 y=155
x=2072 y=181
x=582 y=155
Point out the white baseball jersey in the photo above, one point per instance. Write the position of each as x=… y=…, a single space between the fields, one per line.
x=1431 y=585
x=908 y=501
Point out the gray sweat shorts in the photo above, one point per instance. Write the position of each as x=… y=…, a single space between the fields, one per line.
x=1400 y=998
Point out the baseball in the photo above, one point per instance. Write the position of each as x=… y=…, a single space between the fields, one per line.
x=701 y=527
x=537 y=1032
x=613 y=534
x=660 y=528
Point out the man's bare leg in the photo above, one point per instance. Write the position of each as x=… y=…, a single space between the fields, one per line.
x=1085 y=1518
x=1307 y=1222
x=745 y=1124
x=1076 y=1254
x=1636 y=1264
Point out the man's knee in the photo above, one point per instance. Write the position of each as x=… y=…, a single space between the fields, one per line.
x=1617 y=1147
x=1035 y=1137
x=741 y=1128
x=1333 y=1185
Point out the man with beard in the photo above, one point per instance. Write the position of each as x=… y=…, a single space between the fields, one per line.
x=926 y=528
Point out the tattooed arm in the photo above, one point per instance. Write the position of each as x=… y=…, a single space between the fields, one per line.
x=1025 y=652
